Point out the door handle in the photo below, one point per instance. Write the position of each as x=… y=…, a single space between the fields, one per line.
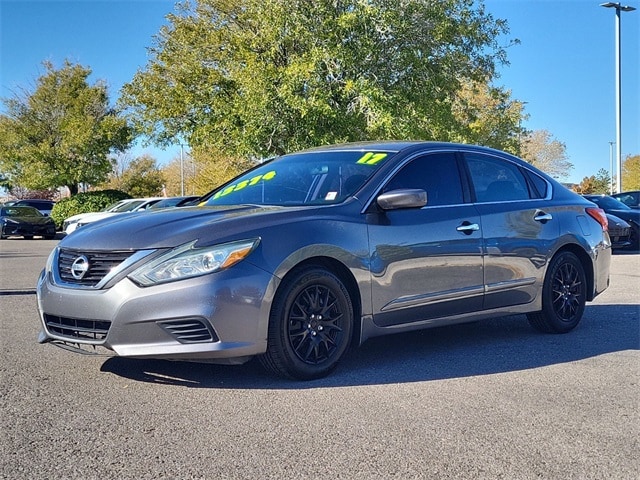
x=542 y=217
x=468 y=228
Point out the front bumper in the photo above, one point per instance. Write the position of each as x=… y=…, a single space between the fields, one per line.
x=214 y=317
x=23 y=229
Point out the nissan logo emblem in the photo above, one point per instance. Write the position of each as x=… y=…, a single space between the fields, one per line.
x=80 y=267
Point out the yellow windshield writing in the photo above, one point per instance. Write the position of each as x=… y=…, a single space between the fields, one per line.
x=245 y=183
x=371 y=158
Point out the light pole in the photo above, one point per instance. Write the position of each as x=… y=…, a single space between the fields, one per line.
x=618 y=8
x=181 y=170
x=611 y=167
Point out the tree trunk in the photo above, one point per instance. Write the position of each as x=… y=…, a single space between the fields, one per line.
x=73 y=189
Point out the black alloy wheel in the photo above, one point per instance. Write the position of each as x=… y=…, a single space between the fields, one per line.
x=310 y=325
x=563 y=296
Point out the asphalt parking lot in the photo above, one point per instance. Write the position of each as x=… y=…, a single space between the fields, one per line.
x=486 y=400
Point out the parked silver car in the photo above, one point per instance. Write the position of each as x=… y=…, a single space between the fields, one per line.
x=311 y=253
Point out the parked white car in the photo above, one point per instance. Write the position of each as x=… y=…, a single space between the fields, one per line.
x=123 y=206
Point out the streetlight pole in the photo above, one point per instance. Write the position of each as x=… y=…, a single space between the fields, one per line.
x=618 y=8
x=611 y=168
x=181 y=170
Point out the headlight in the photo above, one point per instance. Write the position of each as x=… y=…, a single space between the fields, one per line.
x=187 y=262
x=51 y=260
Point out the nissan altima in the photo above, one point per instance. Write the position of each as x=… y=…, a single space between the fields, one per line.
x=309 y=254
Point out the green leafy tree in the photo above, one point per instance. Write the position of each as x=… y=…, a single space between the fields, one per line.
x=253 y=78
x=60 y=134
x=602 y=182
x=140 y=177
x=631 y=173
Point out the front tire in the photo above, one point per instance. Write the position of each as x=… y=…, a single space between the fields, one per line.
x=564 y=296
x=310 y=326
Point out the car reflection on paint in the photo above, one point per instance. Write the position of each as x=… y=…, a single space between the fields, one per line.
x=309 y=254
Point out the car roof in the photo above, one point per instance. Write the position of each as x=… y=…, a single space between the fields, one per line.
x=36 y=200
x=397 y=146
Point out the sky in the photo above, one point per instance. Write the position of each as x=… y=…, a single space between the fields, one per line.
x=563 y=68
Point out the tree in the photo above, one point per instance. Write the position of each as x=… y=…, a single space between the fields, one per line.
x=487 y=115
x=544 y=152
x=631 y=173
x=202 y=171
x=254 y=78
x=595 y=184
x=586 y=186
x=61 y=133
x=602 y=182
x=140 y=177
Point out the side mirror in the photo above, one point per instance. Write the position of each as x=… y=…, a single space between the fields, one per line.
x=404 y=198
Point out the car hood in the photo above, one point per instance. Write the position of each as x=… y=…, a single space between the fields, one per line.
x=626 y=214
x=172 y=227
x=94 y=217
x=82 y=216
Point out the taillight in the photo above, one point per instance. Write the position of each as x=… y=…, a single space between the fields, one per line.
x=599 y=216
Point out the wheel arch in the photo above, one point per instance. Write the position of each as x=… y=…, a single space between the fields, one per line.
x=585 y=261
x=345 y=275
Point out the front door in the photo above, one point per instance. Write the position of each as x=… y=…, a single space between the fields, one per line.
x=427 y=262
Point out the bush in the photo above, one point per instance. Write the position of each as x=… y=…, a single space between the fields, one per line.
x=84 y=203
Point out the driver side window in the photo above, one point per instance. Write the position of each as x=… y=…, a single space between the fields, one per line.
x=436 y=173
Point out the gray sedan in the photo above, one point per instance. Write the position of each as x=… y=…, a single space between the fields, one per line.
x=310 y=254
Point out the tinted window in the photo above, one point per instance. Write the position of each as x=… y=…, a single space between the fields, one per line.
x=539 y=185
x=21 y=212
x=496 y=180
x=437 y=174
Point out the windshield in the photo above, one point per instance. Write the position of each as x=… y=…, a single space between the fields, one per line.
x=113 y=206
x=21 y=212
x=302 y=179
x=129 y=206
x=609 y=202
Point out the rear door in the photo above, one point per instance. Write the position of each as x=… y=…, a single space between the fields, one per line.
x=426 y=262
x=520 y=228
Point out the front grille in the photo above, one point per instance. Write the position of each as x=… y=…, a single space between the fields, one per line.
x=190 y=330
x=99 y=265
x=618 y=231
x=77 y=329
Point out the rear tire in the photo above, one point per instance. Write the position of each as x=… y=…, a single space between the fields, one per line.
x=564 y=296
x=310 y=326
